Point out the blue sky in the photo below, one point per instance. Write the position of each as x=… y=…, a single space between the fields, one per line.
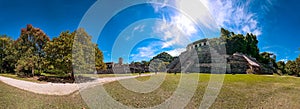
x=139 y=32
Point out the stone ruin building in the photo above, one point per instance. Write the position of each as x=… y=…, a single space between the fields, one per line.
x=203 y=58
x=200 y=56
x=120 y=68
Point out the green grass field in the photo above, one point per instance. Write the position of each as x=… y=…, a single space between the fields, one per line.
x=14 y=98
x=16 y=77
x=238 y=91
x=34 y=79
x=107 y=75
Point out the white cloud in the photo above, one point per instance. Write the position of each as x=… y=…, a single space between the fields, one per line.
x=284 y=60
x=160 y=4
x=171 y=34
x=145 y=52
x=266 y=47
x=176 y=29
x=176 y=52
x=139 y=28
x=184 y=24
x=273 y=52
x=192 y=13
x=234 y=15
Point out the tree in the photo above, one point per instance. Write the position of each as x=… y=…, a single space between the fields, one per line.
x=225 y=33
x=281 y=67
x=100 y=65
x=31 y=44
x=298 y=65
x=291 y=67
x=164 y=56
x=83 y=53
x=236 y=43
x=26 y=64
x=7 y=53
x=252 y=48
x=63 y=55
x=59 y=54
x=157 y=65
x=267 y=58
x=145 y=63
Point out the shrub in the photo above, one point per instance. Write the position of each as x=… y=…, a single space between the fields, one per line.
x=55 y=71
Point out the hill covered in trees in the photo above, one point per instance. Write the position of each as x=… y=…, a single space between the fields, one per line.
x=34 y=53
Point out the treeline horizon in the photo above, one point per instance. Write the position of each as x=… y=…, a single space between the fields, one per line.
x=33 y=52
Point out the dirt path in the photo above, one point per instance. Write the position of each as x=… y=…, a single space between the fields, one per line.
x=58 y=88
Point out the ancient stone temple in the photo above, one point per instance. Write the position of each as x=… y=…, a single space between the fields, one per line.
x=202 y=57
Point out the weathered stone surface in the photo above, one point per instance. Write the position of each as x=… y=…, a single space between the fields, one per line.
x=203 y=58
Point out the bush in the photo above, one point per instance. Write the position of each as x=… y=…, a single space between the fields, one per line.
x=55 y=71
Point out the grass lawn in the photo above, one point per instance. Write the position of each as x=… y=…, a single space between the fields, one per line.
x=238 y=91
x=107 y=75
x=35 y=79
x=14 y=98
x=32 y=79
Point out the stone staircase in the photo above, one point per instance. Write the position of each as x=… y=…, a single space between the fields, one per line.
x=207 y=59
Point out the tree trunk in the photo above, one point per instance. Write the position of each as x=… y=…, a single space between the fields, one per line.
x=72 y=75
x=32 y=71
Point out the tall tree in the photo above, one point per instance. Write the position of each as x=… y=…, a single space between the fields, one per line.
x=225 y=33
x=31 y=44
x=291 y=67
x=252 y=48
x=100 y=65
x=235 y=44
x=6 y=54
x=281 y=67
x=83 y=53
x=27 y=64
x=298 y=65
x=59 y=53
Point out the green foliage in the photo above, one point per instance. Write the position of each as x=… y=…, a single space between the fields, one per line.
x=83 y=53
x=251 y=47
x=26 y=65
x=268 y=58
x=157 y=65
x=298 y=66
x=281 y=67
x=164 y=56
x=291 y=68
x=100 y=65
x=30 y=49
x=33 y=53
x=59 y=53
x=238 y=43
x=7 y=55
